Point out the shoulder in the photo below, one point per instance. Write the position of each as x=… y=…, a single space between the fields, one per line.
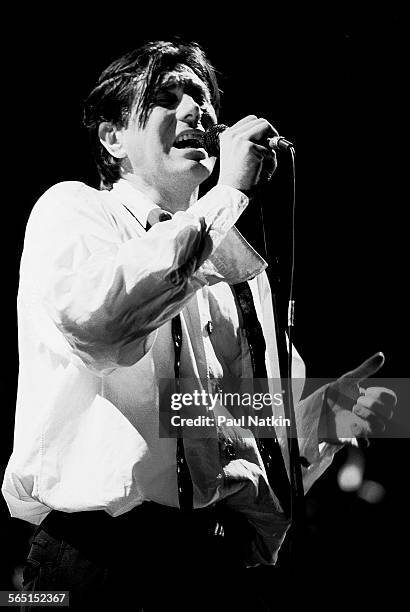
x=69 y=199
x=68 y=191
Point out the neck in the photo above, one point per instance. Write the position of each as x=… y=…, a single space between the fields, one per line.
x=168 y=199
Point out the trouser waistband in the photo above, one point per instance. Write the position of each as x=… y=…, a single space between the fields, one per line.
x=97 y=530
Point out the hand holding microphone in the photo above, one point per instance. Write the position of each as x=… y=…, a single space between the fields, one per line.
x=246 y=151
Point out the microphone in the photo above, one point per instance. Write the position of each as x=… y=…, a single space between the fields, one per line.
x=211 y=141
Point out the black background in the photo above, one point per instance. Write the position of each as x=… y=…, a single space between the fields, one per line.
x=331 y=81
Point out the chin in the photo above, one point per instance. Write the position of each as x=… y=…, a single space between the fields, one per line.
x=204 y=168
x=197 y=172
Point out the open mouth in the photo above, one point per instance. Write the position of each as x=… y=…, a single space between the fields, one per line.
x=188 y=141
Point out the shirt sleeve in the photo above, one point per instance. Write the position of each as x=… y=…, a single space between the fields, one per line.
x=318 y=455
x=107 y=295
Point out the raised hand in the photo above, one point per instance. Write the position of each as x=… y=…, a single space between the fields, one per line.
x=245 y=154
x=352 y=411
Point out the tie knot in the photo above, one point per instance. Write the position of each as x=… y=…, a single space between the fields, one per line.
x=156 y=215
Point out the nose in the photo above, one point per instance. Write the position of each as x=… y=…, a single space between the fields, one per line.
x=189 y=111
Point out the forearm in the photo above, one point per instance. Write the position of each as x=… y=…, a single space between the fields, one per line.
x=108 y=296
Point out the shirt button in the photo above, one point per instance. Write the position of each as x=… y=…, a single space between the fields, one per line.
x=209 y=327
x=218 y=388
x=227 y=449
x=230 y=452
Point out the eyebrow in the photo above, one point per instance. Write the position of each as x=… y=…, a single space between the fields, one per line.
x=186 y=82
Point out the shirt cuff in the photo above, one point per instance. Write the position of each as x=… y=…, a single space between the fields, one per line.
x=221 y=207
x=233 y=260
x=319 y=455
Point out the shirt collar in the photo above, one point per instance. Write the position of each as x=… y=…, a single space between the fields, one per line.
x=135 y=200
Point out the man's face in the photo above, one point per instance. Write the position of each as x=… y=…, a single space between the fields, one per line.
x=165 y=152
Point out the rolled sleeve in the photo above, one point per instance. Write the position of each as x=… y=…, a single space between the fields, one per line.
x=317 y=454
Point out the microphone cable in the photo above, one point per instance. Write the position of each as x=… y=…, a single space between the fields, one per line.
x=297 y=503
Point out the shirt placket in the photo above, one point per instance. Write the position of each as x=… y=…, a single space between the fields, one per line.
x=214 y=370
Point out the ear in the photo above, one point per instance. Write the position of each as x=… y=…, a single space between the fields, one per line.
x=111 y=138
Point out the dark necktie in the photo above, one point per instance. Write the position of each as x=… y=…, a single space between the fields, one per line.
x=268 y=446
x=184 y=480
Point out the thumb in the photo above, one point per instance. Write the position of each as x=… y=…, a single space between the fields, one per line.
x=367 y=368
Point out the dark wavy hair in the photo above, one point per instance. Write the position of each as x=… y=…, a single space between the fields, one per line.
x=131 y=81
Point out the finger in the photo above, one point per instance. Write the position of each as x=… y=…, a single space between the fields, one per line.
x=243 y=121
x=367 y=368
x=264 y=153
x=374 y=412
x=382 y=394
x=362 y=410
x=259 y=130
x=376 y=422
x=375 y=406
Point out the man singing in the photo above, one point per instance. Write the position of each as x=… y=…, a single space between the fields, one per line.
x=142 y=282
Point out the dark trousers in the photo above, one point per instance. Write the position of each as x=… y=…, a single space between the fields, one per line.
x=151 y=558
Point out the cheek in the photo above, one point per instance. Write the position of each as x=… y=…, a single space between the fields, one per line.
x=167 y=132
x=162 y=126
x=133 y=144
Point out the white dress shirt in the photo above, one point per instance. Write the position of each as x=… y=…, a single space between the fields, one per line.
x=96 y=297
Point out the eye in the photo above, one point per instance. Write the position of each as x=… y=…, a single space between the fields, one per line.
x=197 y=94
x=166 y=99
x=199 y=98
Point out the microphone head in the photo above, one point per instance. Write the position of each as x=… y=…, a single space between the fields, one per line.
x=211 y=139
